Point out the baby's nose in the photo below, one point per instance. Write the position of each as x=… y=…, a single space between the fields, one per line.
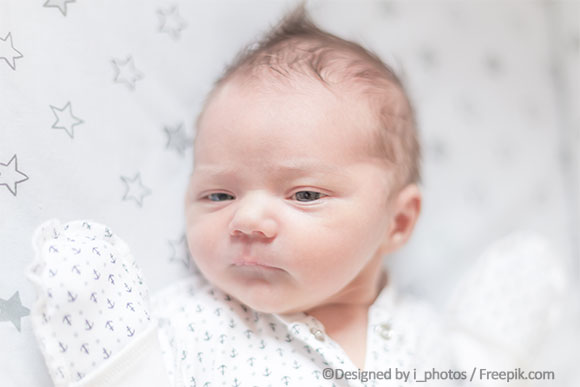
x=254 y=218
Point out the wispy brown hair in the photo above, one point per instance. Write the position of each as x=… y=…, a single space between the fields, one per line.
x=296 y=46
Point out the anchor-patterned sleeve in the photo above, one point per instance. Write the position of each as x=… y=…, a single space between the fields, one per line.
x=91 y=317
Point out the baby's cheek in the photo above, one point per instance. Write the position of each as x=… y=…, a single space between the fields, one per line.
x=200 y=241
x=319 y=258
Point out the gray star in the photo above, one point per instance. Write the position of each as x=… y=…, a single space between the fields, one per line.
x=8 y=52
x=125 y=72
x=177 y=139
x=135 y=190
x=11 y=176
x=180 y=251
x=60 y=4
x=65 y=119
x=12 y=310
x=494 y=64
x=170 y=22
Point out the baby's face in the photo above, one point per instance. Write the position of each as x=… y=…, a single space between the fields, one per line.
x=285 y=211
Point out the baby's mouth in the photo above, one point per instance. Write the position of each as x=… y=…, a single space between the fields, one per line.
x=252 y=262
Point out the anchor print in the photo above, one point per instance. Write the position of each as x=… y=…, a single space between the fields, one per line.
x=71 y=297
x=295 y=329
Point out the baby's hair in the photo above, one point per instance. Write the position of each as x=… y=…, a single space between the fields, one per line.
x=296 y=46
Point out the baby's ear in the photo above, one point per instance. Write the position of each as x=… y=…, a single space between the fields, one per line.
x=404 y=212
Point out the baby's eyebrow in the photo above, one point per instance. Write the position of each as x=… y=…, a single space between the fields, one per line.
x=300 y=167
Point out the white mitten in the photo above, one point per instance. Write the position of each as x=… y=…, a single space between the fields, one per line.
x=91 y=298
x=509 y=302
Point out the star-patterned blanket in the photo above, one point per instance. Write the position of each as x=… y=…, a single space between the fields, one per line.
x=98 y=101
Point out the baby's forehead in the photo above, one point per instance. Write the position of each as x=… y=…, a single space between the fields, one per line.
x=296 y=97
x=304 y=118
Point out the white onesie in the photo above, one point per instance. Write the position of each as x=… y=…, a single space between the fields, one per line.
x=96 y=325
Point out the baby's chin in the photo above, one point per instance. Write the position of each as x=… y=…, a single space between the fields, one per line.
x=265 y=302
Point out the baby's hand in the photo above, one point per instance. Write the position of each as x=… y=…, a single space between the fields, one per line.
x=91 y=298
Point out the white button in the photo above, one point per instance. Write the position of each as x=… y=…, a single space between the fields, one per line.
x=318 y=335
x=385 y=331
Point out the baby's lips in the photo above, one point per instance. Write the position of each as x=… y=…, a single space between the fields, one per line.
x=253 y=261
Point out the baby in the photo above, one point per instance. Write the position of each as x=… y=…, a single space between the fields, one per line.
x=305 y=177
x=306 y=164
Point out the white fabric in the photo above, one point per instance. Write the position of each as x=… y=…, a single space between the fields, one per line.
x=207 y=336
x=139 y=364
x=92 y=301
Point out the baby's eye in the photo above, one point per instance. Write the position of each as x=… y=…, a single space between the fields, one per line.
x=219 y=196
x=307 y=196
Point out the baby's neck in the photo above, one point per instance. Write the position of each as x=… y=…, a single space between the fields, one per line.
x=346 y=322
